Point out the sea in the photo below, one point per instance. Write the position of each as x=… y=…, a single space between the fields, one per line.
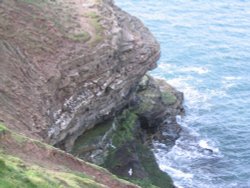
x=205 y=53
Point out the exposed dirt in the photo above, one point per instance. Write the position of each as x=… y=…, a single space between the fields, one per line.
x=37 y=153
x=35 y=38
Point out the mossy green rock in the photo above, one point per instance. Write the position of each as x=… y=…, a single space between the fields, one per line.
x=125 y=128
x=130 y=159
x=168 y=98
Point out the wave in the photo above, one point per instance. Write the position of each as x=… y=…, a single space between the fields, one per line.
x=190 y=152
x=198 y=70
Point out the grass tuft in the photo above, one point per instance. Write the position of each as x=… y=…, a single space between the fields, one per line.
x=2 y=128
x=82 y=37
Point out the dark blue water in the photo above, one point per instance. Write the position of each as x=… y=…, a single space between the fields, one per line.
x=206 y=54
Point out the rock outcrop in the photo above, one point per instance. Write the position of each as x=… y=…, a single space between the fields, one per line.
x=122 y=144
x=68 y=65
x=72 y=75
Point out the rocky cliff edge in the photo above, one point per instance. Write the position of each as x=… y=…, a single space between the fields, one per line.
x=67 y=65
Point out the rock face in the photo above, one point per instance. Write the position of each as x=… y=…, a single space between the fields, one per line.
x=151 y=114
x=68 y=65
x=72 y=74
x=157 y=103
x=123 y=143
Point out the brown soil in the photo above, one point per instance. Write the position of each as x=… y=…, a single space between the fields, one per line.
x=42 y=35
x=37 y=153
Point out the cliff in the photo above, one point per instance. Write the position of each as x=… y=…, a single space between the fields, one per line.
x=68 y=65
x=72 y=76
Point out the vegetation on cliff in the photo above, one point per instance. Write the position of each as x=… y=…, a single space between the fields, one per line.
x=122 y=144
x=131 y=159
x=2 y=128
x=28 y=163
x=15 y=173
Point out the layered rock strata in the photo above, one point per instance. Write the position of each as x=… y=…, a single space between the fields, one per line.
x=68 y=65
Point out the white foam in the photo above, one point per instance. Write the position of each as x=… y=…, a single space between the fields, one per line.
x=198 y=70
x=232 y=78
x=180 y=82
x=177 y=173
x=204 y=144
x=230 y=81
x=166 y=66
x=178 y=119
x=169 y=68
x=185 y=152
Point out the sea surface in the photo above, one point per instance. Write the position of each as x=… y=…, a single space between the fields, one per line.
x=205 y=54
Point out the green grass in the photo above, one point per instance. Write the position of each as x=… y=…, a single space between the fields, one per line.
x=144 y=183
x=92 y=15
x=36 y=2
x=2 y=128
x=81 y=37
x=95 y=22
x=14 y=173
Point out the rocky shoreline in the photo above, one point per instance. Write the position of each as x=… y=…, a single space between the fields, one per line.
x=72 y=75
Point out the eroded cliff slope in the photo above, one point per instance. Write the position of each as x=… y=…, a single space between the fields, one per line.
x=67 y=65
x=28 y=163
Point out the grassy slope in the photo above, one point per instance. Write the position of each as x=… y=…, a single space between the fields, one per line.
x=17 y=173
